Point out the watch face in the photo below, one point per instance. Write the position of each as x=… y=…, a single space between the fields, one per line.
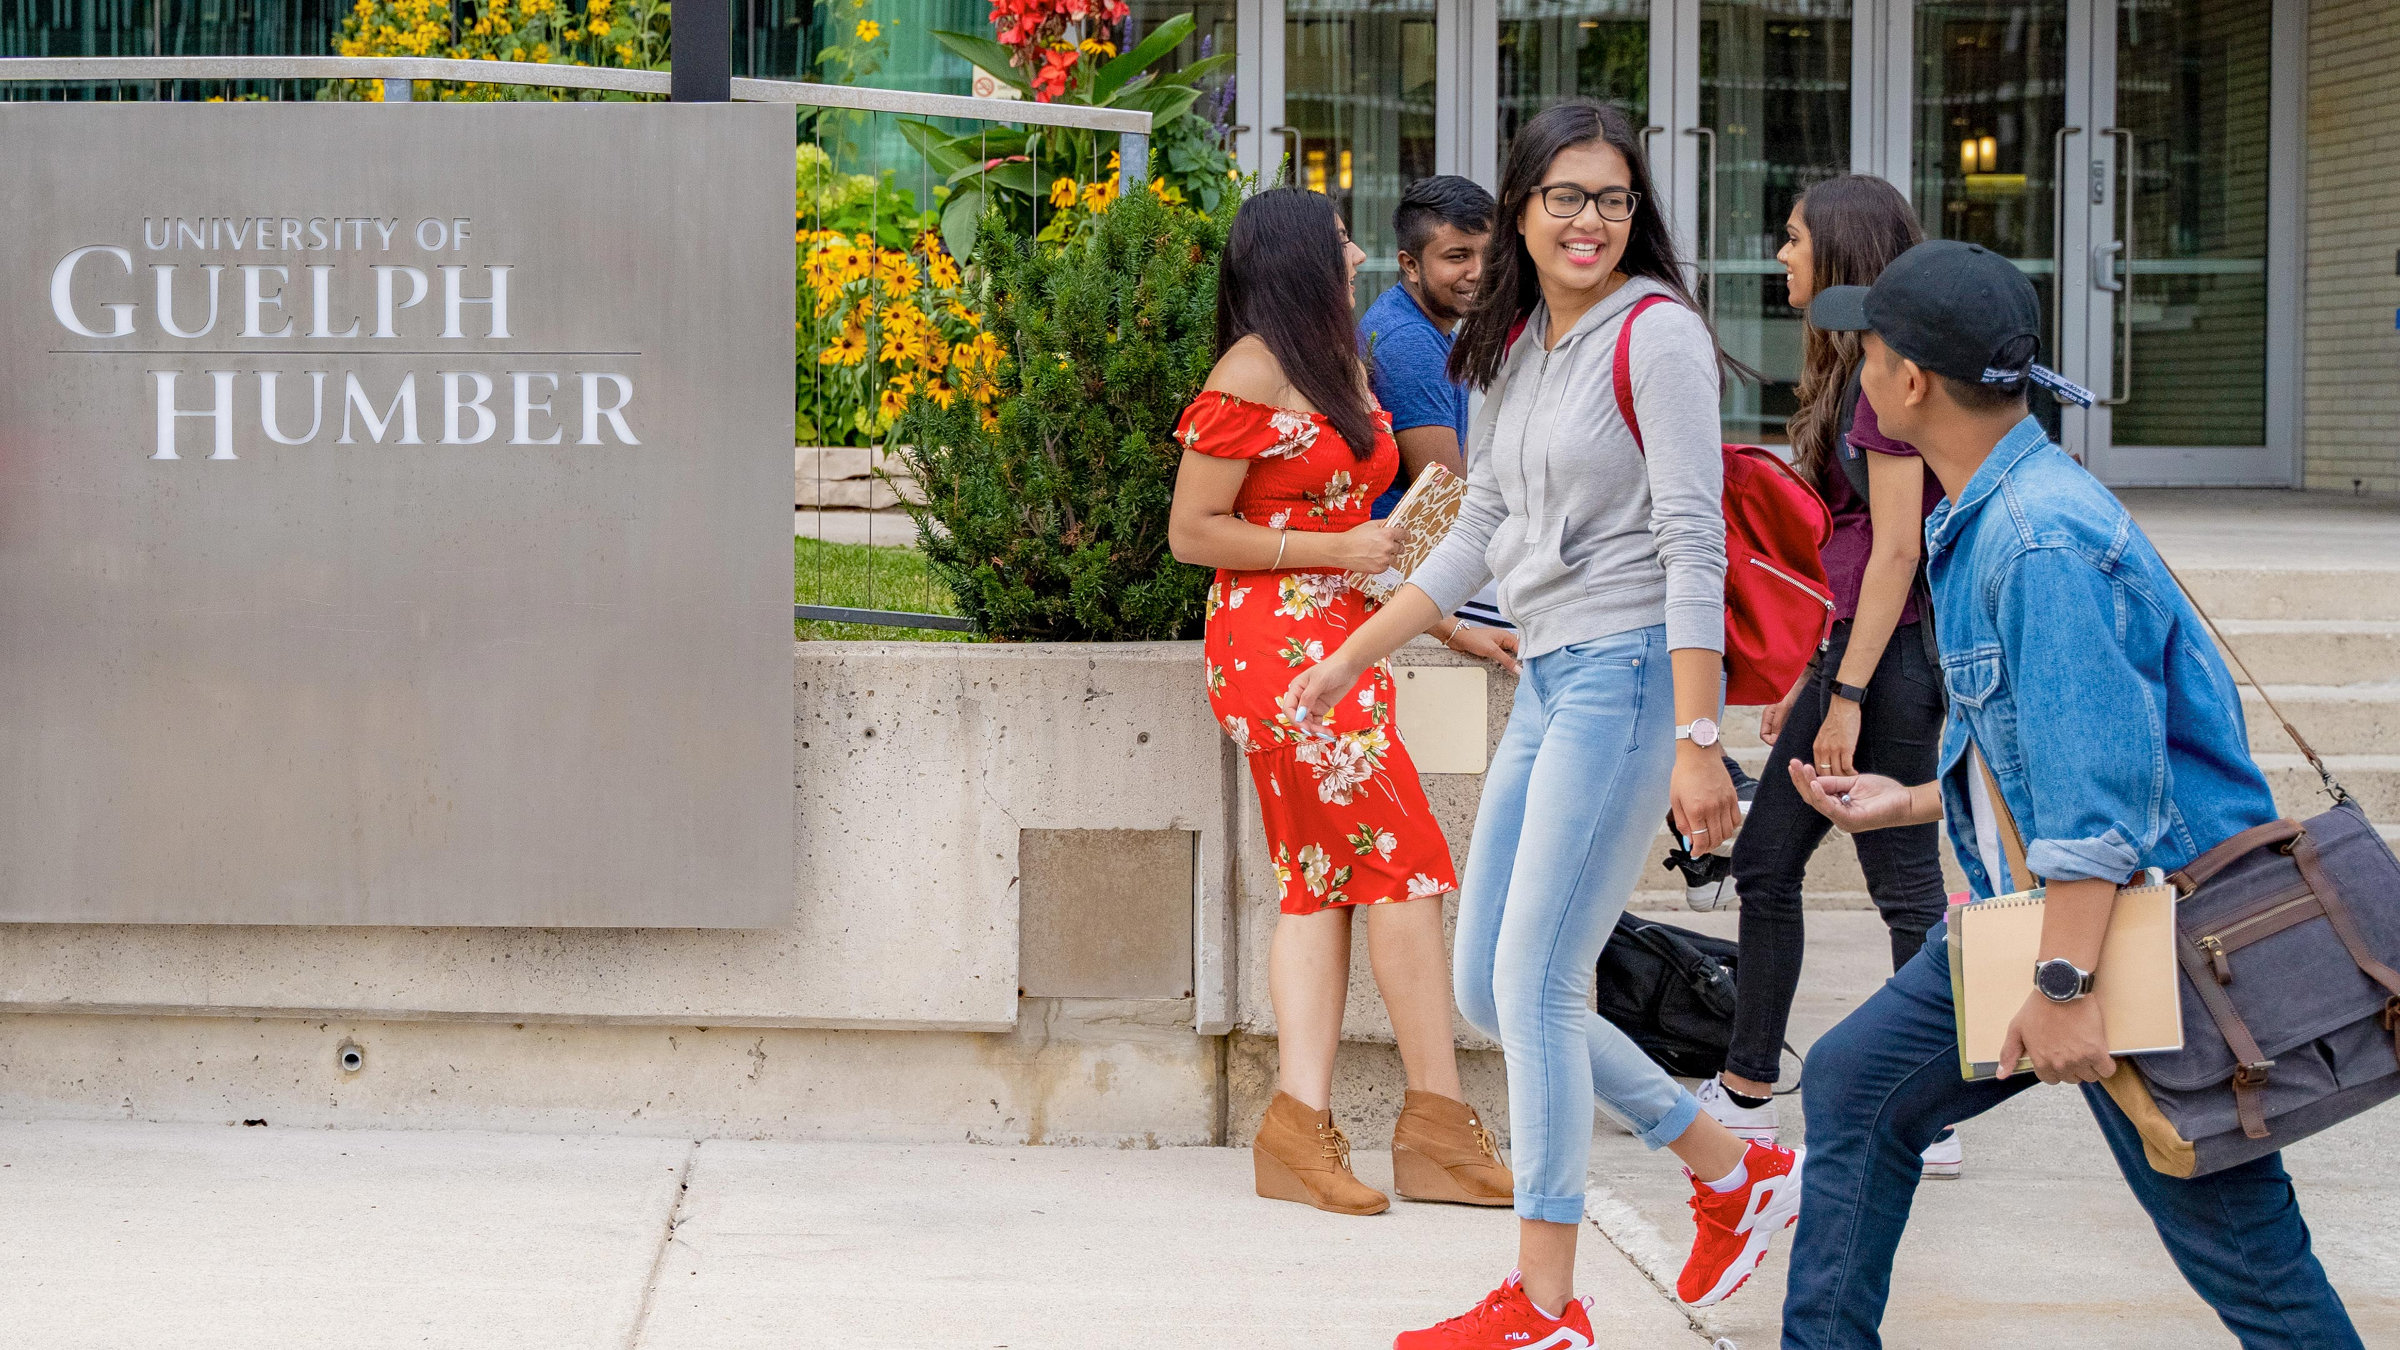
x=2058 y=980
x=1704 y=732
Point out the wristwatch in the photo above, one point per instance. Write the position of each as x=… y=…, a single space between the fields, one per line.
x=1856 y=693
x=1699 y=731
x=2061 y=980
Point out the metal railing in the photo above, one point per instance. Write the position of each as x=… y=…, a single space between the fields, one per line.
x=396 y=74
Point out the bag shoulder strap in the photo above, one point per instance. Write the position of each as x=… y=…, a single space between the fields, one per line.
x=1623 y=368
x=1852 y=467
x=2012 y=844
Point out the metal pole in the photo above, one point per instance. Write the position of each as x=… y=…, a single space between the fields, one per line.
x=700 y=53
x=397 y=91
x=1133 y=161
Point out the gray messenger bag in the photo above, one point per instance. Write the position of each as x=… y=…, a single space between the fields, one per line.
x=2288 y=936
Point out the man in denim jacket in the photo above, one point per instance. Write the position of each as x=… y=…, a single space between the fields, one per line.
x=2086 y=683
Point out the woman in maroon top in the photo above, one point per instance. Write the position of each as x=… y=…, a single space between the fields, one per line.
x=1872 y=702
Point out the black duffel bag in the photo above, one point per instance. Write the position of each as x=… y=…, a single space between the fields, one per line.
x=1670 y=990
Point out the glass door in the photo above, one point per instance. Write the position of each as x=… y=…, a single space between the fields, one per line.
x=1745 y=103
x=2118 y=153
x=1774 y=117
x=1552 y=49
x=1358 y=102
x=2182 y=253
x=1991 y=136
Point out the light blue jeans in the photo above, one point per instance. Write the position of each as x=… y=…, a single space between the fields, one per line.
x=1573 y=798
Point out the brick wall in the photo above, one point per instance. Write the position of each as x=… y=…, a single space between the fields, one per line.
x=2352 y=405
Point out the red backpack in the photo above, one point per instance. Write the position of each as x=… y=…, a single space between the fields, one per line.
x=1778 y=607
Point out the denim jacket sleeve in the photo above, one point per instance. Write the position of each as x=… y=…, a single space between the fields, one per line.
x=2091 y=730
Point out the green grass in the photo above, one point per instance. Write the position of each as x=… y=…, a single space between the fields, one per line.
x=858 y=576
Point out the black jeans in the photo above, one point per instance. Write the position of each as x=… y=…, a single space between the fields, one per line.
x=1900 y=736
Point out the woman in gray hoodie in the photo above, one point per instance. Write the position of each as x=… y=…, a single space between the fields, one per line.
x=1611 y=562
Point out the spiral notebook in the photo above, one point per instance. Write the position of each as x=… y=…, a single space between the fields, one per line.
x=1994 y=944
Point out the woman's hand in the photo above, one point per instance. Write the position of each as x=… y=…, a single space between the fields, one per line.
x=1370 y=548
x=1315 y=690
x=1770 y=720
x=1701 y=795
x=1856 y=804
x=1496 y=645
x=1837 y=739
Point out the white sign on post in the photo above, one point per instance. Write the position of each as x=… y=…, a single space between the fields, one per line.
x=393 y=514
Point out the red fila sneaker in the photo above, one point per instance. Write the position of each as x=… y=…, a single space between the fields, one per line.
x=1506 y=1320
x=1736 y=1228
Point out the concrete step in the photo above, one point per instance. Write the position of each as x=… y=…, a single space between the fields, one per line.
x=2317 y=651
x=2351 y=719
x=2358 y=719
x=1834 y=880
x=2296 y=593
x=2373 y=779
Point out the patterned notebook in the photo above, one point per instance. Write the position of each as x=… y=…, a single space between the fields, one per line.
x=1427 y=510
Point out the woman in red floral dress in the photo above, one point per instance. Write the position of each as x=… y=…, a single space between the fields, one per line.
x=1283 y=452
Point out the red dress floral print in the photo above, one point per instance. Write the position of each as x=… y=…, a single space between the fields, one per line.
x=1347 y=821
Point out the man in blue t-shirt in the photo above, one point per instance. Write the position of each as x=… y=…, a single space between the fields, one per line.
x=1442 y=225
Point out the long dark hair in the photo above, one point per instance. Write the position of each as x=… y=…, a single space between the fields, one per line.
x=1281 y=277
x=1857 y=224
x=1510 y=287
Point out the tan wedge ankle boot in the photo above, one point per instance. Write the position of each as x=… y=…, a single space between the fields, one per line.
x=1302 y=1155
x=1440 y=1151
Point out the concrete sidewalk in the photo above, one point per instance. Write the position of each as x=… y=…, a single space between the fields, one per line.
x=128 y=1236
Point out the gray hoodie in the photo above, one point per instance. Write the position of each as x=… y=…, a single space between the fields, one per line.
x=1587 y=535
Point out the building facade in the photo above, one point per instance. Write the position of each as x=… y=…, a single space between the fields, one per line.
x=2202 y=190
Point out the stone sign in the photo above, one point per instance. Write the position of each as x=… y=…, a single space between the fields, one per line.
x=392 y=516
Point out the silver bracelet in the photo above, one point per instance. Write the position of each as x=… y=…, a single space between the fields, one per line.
x=1283 y=539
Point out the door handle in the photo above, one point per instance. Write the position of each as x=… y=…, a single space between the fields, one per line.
x=2104 y=266
x=2124 y=246
x=1291 y=150
x=1709 y=249
x=2058 y=224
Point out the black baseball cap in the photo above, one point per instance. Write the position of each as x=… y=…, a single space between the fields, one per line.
x=1956 y=309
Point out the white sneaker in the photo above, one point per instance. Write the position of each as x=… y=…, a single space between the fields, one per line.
x=1707 y=897
x=1751 y=1124
x=1945 y=1158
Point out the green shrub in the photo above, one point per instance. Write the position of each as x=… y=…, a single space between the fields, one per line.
x=1048 y=519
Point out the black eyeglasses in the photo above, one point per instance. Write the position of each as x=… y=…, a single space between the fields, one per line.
x=1565 y=201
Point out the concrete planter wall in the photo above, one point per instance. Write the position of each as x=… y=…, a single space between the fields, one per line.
x=1031 y=894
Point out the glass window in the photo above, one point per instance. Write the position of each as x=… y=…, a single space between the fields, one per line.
x=1358 y=108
